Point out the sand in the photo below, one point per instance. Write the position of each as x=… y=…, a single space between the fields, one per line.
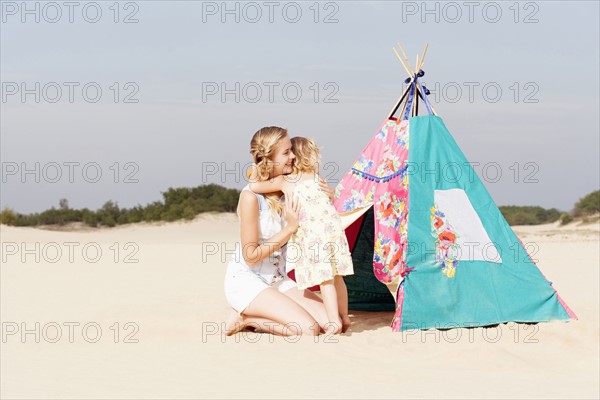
x=154 y=328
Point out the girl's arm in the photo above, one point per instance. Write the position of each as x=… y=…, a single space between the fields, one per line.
x=272 y=185
x=325 y=188
x=252 y=251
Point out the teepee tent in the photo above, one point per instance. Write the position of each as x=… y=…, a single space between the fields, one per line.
x=427 y=239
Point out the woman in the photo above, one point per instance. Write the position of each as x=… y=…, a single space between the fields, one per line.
x=256 y=286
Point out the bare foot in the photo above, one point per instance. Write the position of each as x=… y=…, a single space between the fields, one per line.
x=345 y=323
x=234 y=323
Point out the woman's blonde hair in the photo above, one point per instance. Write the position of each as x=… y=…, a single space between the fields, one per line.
x=262 y=148
x=308 y=155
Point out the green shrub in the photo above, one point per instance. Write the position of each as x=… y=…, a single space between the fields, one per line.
x=587 y=205
x=529 y=215
x=89 y=217
x=8 y=217
x=565 y=218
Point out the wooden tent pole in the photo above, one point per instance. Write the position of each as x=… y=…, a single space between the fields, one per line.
x=415 y=100
x=408 y=68
x=402 y=62
x=417 y=91
x=411 y=73
x=403 y=107
x=406 y=59
x=423 y=57
x=393 y=110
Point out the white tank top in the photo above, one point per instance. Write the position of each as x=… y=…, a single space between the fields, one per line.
x=271 y=269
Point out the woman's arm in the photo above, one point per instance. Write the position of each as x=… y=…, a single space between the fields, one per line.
x=252 y=251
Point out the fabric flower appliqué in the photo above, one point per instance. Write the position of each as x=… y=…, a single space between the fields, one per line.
x=445 y=242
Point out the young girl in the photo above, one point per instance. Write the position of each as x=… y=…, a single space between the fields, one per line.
x=318 y=251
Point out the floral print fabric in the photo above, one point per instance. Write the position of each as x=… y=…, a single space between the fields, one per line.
x=379 y=179
x=319 y=249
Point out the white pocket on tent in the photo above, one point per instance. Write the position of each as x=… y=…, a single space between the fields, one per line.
x=473 y=240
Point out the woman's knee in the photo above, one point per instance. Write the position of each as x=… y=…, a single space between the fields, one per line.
x=308 y=327
x=279 y=308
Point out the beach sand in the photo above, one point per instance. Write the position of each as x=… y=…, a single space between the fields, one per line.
x=111 y=327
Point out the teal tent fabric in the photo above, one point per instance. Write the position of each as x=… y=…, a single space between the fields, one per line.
x=481 y=292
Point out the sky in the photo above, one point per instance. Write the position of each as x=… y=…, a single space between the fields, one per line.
x=120 y=101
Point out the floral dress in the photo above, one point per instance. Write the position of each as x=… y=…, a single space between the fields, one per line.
x=319 y=249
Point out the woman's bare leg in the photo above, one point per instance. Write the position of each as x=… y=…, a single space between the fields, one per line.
x=234 y=323
x=256 y=324
x=237 y=323
x=342 y=297
x=311 y=303
x=271 y=308
x=331 y=306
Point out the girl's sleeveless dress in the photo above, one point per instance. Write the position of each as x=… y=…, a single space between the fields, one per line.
x=242 y=282
x=319 y=249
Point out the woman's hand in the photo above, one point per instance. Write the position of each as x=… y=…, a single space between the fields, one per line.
x=291 y=214
x=325 y=188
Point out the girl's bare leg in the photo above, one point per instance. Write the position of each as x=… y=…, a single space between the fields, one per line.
x=331 y=306
x=342 y=298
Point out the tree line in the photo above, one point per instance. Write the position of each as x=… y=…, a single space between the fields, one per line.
x=186 y=203
x=177 y=203
x=531 y=215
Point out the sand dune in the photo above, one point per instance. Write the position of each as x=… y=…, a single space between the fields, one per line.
x=156 y=293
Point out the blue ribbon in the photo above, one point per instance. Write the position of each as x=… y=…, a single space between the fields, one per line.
x=412 y=93
x=411 y=97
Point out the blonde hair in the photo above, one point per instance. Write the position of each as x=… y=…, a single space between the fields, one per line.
x=262 y=147
x=307 y=155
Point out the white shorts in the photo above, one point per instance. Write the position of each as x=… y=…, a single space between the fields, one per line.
x=242 y=286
